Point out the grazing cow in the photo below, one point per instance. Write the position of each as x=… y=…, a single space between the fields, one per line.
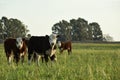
x=65 y=46
x=16 y=48
x=41 y=46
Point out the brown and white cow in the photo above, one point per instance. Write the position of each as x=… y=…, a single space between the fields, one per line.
x=15 y=48
x=65 y=46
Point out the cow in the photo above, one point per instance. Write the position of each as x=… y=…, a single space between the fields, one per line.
x=42 y=46
x=65 y=46
x=15 y=48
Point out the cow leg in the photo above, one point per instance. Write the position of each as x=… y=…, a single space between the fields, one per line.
x=69 y=51
x=17 y=58
x=53 y=58
x=30 y=57
x=61 y=50
x=46 y=58
x=22 y=59
x=9 y=57
x=42 y=56
x=38 y=58
x=34 y=56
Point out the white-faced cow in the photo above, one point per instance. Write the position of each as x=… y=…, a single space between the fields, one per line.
x=42 y=46
x=15 y=48
x=65 y=46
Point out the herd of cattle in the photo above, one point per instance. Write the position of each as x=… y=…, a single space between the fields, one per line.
x=37 y=47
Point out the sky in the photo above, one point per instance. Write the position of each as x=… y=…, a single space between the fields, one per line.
x=41 y=15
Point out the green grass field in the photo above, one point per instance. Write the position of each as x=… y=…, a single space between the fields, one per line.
x=88 y=61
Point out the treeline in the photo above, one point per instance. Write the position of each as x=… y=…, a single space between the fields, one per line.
x=12 y=28
x=75 y=30
x=78 y=30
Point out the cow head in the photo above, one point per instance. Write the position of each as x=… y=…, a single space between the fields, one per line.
x=60 y=44
x=19 y=42
x=52 y=41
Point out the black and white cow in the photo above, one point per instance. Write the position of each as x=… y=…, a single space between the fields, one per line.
x=42 y=46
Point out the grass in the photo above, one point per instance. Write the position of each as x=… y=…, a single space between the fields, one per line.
x=87 y=62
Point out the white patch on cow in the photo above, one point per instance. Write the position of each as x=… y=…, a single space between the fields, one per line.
x=68 y=48
x=59 y=44
x=52 y=40
x=22 y=54
x=52 y=52
x=55 y=58
x=19 y=42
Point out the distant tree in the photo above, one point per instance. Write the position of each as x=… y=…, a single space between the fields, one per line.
x=13 y=28
x=3 y=31
x=78 y=30
x=107 y=37
x=96 y=31
x=90 y=35
x=62 y=28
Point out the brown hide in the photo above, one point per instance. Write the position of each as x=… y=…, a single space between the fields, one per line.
x=66 y=46
x=12 y=50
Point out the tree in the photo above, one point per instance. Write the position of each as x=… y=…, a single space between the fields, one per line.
x=96 y=31
x=12 y=28
x=78 y=30
x=62 y=28
x=3 y=31
x=107 y=37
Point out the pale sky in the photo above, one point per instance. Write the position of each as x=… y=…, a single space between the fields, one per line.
x=41 y=15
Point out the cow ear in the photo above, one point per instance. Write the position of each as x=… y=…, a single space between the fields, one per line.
x=47 y=36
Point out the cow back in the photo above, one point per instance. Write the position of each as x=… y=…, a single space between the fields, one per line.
x=66 y=45
x=10 y=44
x=39 y=44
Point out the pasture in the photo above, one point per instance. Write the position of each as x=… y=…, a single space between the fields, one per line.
x=88 y=61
